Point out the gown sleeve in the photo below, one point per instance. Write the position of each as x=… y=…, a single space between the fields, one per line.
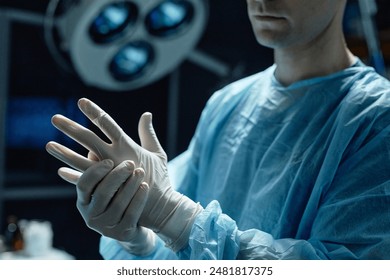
x=110 y=249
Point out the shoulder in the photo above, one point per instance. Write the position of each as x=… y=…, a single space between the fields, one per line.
x=365 y=110
x=368 y=86
x=369 y=94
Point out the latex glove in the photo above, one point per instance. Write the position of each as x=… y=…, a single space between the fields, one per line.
x=166 y=211
x=136 y=240
x=111 y=200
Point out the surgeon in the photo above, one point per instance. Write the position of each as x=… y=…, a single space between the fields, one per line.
x=289 y=163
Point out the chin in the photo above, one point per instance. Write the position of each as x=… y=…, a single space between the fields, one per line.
x=272 y=43
x=271 y=38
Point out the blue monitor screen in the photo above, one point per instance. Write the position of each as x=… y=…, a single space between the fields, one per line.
x=28 y=124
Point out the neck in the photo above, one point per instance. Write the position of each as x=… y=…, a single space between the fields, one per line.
x=325 y=55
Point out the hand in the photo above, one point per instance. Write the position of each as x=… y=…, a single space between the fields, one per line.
x=150 y=156
x=111 y=201
x=163 y=203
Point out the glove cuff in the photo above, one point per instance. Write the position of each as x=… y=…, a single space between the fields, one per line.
x=178 y=224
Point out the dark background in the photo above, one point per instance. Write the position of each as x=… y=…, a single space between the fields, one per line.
x=35 y=76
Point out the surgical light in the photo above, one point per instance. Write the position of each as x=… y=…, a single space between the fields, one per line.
x=120 y=45
x=112 y=21
x=131 y=61
x=169 y=17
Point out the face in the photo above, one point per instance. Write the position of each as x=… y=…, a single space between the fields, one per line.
x=294 y=23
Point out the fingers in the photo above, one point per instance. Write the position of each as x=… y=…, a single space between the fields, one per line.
x=109 y=187
x=90 y=179
x=125 y=196
x=136 y=207
x=80 y=134
x=101 y=119
x=111 y=200
x=93 y=156
x=68 y=156
x=70 y=175
x=148 y=136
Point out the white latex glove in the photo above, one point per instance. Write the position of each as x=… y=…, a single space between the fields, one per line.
x=111 y=201
x=137 y=240
x=166 y=211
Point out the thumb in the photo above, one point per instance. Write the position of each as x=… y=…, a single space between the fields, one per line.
x=147 y=135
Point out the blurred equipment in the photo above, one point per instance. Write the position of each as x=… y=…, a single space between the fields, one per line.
x=13 y=234
x=31 y=240
x=368 y=10
x=38 y=238
x=123 y=44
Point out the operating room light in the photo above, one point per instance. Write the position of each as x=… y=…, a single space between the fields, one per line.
x=112 y=21
x=120 y=45
x=131 y=61
x=169 y=17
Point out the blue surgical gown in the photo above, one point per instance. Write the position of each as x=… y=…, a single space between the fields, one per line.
x=296 y=172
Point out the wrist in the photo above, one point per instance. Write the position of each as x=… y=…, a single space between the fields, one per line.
x=177 y=228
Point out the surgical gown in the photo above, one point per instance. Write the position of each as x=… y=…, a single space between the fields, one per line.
x=296 y=172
